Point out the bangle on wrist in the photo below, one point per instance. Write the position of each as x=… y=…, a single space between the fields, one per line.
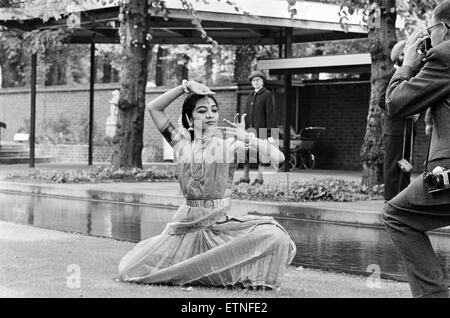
x=249 y=138
x=184 y=85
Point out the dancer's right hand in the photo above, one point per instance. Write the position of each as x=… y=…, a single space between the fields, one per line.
x=198 y=88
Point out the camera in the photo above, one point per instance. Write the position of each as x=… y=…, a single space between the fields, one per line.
x=424 y=46
x=437 y=180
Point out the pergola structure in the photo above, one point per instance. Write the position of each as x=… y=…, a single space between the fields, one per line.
x=349 y=63
x=267 y=24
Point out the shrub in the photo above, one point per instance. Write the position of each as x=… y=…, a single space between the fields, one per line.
x=97 y=175
x=328 y=189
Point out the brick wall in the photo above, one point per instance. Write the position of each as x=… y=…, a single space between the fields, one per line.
x=79 y=153
x=341 y=108
x=51 y=102
x=73 y=153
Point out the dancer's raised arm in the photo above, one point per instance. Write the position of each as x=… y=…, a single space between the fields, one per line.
x=157 y=106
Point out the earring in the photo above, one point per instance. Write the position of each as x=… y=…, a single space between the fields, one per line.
x=191 y=125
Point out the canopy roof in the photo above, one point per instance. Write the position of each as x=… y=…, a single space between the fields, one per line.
x=266 y=24
x=349 y=63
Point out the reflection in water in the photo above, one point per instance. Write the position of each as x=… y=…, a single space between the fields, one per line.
x=323 y=245
x=330 y=246
x=119 y=221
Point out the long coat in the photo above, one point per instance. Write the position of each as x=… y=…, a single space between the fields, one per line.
x=260 y=112
x=398 y=136
x=408 y=95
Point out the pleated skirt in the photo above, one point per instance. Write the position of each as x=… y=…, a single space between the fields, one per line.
x=208 y=248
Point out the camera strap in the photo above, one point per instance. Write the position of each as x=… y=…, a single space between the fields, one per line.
x=404 y=139
x=425 y=165
x=411 y=150
x=411 y=140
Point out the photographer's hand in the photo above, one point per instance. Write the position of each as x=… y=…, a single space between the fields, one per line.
x=412 y=57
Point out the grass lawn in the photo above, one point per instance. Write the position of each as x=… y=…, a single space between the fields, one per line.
x=37 y=262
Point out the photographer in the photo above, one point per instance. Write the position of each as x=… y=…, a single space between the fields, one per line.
x=415 y=210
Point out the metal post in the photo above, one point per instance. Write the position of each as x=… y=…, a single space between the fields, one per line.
x=288 y=98
x=32 y=137
x=91 y=103
x=280 y=55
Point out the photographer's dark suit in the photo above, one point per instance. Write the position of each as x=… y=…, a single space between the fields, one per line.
x=415 y=211
x=395 y=180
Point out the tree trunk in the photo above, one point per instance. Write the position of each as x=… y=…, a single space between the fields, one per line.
x=159 y=75
x=13 y=69
x=128 y=141
x=209 y=64
x=182 y=69
x=244 y=57
x=381 y=38
x=56 y=74
x=107 y=69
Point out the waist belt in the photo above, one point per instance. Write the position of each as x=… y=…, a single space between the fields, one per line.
x=209 y=203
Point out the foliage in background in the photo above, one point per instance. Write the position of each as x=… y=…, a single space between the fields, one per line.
x=328 y=189
x=96 y=175
x=73 y=130
x=212 y=64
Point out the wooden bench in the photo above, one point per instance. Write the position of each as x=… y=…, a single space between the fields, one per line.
x=21 y=137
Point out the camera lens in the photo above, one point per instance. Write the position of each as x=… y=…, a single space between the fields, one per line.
x=424 y=46
x=433 y=181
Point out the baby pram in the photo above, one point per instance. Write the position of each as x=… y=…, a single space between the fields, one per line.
x=300 y=154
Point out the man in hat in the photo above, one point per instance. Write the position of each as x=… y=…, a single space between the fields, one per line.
x=398 y=136
x=260 y=117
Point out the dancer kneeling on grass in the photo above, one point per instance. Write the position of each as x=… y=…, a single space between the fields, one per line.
x=203 y=245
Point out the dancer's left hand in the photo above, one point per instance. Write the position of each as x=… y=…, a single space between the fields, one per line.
x=236 y=129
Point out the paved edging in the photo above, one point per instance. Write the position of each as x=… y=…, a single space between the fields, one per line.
x=315 y=211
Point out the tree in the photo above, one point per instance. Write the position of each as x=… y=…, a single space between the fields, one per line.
x=13 y=68
x=244 y=59
x=133 y=32
x=56 y=74
x=381 y=40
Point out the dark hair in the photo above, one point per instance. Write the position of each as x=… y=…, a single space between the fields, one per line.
x=442 y=12
x=189 y=106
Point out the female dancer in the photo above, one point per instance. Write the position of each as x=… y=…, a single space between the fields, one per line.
x=203 y=245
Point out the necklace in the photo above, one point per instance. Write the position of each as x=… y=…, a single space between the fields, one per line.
x=198 y=175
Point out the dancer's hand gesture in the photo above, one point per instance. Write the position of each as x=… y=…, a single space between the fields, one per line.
x=237 y=129
x=196 y=88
